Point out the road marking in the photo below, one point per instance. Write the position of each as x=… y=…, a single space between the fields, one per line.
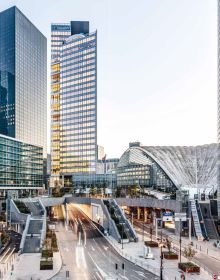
x=93 y=249
x=103 y=274
x=140 y=273
x=124 y=277
x=97 y=275
x=80 y=257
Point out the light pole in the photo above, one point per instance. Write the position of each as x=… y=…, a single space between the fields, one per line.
x=122 y=247
x=180 y=239
x=190 y=225
x=161 y=261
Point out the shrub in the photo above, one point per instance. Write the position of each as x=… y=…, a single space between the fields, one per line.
x=47 y=254
x=22 y=207
x=46 y=265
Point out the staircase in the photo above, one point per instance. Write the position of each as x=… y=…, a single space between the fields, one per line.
x=34 y=230
x=209 y=223
x=32 y=244
x=197 y=225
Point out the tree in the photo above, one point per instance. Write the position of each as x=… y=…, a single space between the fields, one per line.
x=168 y=243
x=189 y=252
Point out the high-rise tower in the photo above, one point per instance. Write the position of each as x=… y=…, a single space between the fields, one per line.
x=73 y=99
x=23 y=79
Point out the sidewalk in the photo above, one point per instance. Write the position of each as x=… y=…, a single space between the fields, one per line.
x=134 y=252
x=207 y=256
x=27 y=266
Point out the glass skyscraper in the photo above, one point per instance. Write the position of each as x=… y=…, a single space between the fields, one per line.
x=23 y=79
x=73 y=98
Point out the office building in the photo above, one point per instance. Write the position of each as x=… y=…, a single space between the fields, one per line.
x=23 y=79
x=73 y=99
x=21 y=166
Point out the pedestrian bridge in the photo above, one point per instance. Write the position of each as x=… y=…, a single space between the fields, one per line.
x=131 y=202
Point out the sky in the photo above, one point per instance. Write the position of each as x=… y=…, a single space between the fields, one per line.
x=157 y=67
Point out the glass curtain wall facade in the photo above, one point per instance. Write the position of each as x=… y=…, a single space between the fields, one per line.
x=21 y=165
x=74 y=114
x=218 y=193
x=59 y=32
x=23 y=79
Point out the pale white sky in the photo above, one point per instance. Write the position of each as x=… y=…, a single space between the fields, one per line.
x=157 y=66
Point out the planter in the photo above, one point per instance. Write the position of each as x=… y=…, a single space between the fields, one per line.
x=152 y=244
x=46 y=265
x=189 y=267
x=170 y=256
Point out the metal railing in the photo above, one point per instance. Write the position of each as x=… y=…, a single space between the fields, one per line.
x=24 y=234
x=44 y=226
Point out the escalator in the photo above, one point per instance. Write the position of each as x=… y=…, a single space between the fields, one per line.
x=196 y=216
x=208 y=221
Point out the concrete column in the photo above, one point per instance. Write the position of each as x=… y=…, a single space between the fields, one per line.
x=177 y=228
x=153 y=214
x=138 y=213
x=145 y=214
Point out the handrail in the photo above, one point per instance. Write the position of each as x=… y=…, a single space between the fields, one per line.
x=195 y=216
x=44 y=226
x=202 y=219
x=111 y=222
x=24 y=234
x=127 y=222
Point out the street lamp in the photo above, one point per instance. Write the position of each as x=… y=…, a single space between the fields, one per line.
x=161 y=260
x=122 y=233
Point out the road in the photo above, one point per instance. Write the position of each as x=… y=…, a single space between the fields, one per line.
x=87 y=255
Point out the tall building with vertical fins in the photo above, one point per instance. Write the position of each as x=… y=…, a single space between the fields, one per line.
x=73 y=99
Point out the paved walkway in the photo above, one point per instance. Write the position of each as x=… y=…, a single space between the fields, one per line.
x=207 y=256
x=27 y=266
x=134 y=252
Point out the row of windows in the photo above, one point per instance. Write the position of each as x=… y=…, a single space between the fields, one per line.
x=83 y=126
x=79 y=120
x=78 y=80
x=78 y=163
x=79 y=57
x=79 y=113
x=90 y=104
x=74 y=155
x=67 y=54
x=78 y=136
x=78 y=88
x=81 y=64
x=77 y=67
x=74 y=147
x=71 y=45
x=75 y=105
x=74 y=93
x=79 y=150
x=78 y=97
x=78 y=142
x=80 y=131
x=80 y=75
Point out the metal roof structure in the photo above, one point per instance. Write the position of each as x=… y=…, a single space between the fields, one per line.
x=186 y=166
